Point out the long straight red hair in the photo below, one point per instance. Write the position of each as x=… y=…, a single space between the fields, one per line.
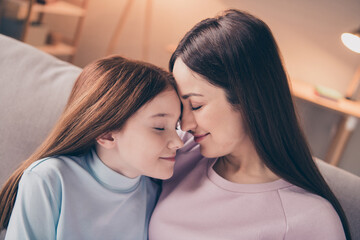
x=105 y=95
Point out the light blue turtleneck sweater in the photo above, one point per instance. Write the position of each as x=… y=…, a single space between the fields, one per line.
x=81 y=198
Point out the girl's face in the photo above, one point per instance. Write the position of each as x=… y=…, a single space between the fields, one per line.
x=207 y=114
x=147 y=143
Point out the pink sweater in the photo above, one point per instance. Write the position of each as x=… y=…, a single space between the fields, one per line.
x=197 y=203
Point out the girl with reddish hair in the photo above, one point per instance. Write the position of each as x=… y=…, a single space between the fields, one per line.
x=92 y=177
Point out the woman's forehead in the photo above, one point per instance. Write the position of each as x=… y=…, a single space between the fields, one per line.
x=191 y=83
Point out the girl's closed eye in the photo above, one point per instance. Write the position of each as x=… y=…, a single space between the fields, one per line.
x=177 y=127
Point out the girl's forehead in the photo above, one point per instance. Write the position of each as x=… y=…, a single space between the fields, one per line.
x=165 y=104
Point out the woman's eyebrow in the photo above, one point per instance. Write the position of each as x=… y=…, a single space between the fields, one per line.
x=186 y=96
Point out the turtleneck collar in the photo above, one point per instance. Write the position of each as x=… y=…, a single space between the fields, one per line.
x=108 y=177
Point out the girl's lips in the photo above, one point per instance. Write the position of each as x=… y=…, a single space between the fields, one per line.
x=198 y=138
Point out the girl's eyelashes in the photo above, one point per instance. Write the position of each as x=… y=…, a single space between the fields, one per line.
x=177 y=127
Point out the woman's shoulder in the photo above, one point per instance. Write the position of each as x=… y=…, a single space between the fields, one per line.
x=298 y=197
x=309 y=215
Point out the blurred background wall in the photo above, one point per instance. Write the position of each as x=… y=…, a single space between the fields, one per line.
x=308 y=33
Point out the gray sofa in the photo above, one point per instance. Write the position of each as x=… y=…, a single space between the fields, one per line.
x=34 y=88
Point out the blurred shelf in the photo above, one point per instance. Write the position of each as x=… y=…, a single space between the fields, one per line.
x=60 y=8
x=349 y=109
x=306 y=91
x=17 y=9
x=29 y=20
x=59 y=49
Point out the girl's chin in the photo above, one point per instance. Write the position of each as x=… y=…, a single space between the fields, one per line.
x=164 y=175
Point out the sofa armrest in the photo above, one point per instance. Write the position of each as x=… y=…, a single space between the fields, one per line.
x=346 y=187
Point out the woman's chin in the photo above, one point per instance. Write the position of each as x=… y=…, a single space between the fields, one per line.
x=208 y=153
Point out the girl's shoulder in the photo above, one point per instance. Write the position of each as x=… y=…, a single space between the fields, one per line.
x=56 y=166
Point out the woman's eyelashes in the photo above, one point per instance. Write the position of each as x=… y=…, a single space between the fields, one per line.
x=159 y=128
x=196 y=108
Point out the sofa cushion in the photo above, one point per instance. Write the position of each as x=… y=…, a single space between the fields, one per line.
x=34 y=88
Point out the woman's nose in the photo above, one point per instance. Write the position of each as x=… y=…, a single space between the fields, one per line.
x=187 y=121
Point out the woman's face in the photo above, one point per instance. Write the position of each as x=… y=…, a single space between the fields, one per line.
x=147 y=143
x=207 y=114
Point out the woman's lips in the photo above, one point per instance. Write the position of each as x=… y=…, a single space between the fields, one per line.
x=172 y=159
x=199 y=138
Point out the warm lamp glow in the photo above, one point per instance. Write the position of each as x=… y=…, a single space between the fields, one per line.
x=351 y=41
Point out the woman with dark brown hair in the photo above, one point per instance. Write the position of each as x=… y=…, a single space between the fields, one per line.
x=246 y=171
x=92 y=176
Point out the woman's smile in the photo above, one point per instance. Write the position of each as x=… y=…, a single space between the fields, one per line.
x=198 y=138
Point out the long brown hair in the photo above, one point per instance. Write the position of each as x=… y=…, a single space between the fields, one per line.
x=107 y=93
x=237 y=52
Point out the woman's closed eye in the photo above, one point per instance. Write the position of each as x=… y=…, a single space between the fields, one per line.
x=196 y=108
x=195 y=105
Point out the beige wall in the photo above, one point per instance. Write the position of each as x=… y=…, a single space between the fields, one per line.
x=308 y=33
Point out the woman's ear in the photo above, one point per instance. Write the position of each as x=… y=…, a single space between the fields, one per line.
x=106 y=140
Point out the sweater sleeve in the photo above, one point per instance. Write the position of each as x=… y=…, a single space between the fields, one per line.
x=36 y=211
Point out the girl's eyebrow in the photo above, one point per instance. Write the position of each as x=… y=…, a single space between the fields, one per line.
x=161 y=115
x=186 y=96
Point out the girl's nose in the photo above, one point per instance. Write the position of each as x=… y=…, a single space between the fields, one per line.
x=175 y=142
